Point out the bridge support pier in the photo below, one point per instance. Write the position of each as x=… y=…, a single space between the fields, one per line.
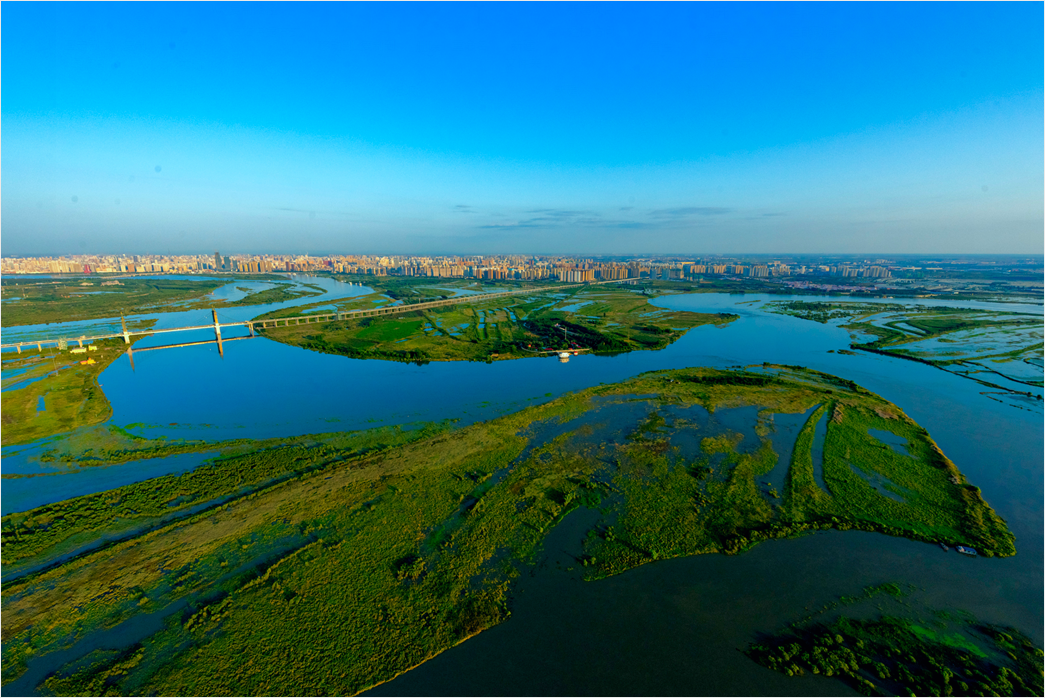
x=18 y=348
x=217 y=333
x=40 y=346
x=126 y=334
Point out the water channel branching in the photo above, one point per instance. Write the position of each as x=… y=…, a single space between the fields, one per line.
x=336 y=562
x=983 y=345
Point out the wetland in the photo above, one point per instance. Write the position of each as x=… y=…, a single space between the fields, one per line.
x=427 y=509
x=426 y=538
x=603 y=319
x=37 y=301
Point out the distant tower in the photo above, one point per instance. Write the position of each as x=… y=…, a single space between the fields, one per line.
x=228 y=265
x=217 y=260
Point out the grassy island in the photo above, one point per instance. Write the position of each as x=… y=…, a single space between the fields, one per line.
x=605 y=319
x=330 y=564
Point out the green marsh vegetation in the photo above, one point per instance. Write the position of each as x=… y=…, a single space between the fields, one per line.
x=281 y=292
x=978 y=344
x=48 y=301
x=603 y=319
x=350 y=566
x=237 y=467
x=903 y=648
x=419 y=289
x=67 y=390
x=59 y=301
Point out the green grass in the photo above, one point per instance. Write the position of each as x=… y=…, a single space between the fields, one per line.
x=241 y=466
x=41 y=302
x=72 y=396
x=614 y=320
x=349 y=567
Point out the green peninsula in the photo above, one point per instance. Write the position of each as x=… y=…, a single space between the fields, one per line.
x=334 y=563
x=604 y=319
x=49 y=392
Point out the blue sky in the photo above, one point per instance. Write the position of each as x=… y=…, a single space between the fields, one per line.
x=534 y=128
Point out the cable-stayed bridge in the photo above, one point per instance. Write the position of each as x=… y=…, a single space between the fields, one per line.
x=63 y=343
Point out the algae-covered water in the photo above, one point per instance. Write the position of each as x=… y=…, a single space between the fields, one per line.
x=671 y=627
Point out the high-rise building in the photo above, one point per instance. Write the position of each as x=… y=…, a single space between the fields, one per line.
x=217 y=260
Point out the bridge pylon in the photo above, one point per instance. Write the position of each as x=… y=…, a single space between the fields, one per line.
x=217 y=333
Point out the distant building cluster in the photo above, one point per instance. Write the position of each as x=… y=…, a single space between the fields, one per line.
x=567 y=269
x=873 y=271
x=489 y=267
x=128 y=264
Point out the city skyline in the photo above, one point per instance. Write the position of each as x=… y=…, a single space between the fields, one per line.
x=557 y=129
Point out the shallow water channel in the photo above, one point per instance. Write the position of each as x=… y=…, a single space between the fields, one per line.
x=670 y=627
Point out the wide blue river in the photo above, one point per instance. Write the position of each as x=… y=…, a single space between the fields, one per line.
x=670 y=627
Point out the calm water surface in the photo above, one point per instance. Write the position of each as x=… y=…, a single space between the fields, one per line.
x=672 y=627
x=675 y=627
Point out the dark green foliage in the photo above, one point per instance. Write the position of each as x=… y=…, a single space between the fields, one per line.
x=549 y=331
x=896 y=656
x=411 y=356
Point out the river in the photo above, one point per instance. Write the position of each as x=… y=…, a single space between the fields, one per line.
x=671 y=627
